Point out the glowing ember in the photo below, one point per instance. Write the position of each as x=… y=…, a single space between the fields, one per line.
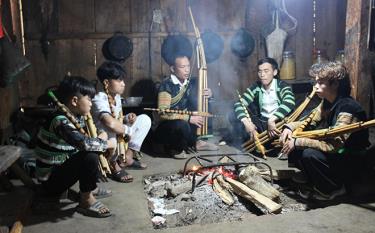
x=218 y=170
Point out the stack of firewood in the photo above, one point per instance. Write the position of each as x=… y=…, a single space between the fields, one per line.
x=250 y=186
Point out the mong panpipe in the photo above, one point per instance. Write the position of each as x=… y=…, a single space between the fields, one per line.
x=202 y=105
x=103 y=163
x=258 y=145
x=191 y=113
x=264 y=137
x=336 y=131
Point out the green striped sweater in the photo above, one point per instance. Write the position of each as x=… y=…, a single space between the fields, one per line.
x=253 y=94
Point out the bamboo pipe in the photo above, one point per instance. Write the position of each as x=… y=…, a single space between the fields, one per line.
x=264 y=137
x=336 y=131
x=103 y=163
x=191 y=113
x=202 y=105
x=258 y=145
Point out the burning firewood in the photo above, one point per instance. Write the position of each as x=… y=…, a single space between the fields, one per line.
x=251 y=177
x=224 y=194
x=253 y=196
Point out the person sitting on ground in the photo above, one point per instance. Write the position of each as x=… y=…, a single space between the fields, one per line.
x=326 y=164
x=268 y=100
x=177 y=132
x=107 y=108
x=64 y=155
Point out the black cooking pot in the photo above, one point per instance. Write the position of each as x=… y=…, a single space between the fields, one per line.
x=174 y=46
x=117 y=48
x=213 y=45
x=242 y=43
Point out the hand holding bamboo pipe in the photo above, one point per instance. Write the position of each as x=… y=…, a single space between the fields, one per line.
x=258 y=144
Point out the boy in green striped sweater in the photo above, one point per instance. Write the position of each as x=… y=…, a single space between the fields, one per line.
x=267 y=101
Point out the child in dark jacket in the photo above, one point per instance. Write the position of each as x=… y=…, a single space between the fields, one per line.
x=65 y=155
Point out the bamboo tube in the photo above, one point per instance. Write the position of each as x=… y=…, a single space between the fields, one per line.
x=264 y=137
x=336 y=131
x=103 y=163
x=202 y=105
x=258 y=145
x=192 y=113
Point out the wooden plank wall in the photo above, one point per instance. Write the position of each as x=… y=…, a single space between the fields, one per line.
x=76 y=30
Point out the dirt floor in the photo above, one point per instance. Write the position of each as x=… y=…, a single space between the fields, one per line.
x=130 y=208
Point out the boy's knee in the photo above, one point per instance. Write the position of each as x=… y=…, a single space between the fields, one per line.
x=145 y=120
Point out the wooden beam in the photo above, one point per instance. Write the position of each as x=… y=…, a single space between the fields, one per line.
x=356 y=52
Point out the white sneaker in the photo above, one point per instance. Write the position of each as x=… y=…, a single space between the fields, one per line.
x=181 y=155
x=205 y=146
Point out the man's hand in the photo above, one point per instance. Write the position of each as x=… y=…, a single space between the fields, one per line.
x=285 y=136
x=207 y=92
x=196 y=120
x=272 y=130
x=288 y=146
x=249 y=127
x=131 y=118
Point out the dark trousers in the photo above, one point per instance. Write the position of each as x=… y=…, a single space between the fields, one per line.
x=324 y=171
x=82 y=167
x=175 y=135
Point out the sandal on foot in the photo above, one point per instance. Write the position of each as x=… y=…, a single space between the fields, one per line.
x=122 y=176
x=102 y=193
x=94 y=210
x=136 y=165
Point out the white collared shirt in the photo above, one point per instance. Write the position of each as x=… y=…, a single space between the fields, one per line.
x=270 y=100
x=175 y=80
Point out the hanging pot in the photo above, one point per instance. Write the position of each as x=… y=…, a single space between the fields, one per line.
x=174 y=46
x=213 y=45
x=242 y=43
x=117 y=48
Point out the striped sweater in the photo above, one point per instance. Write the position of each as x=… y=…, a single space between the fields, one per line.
x=59 y=139
x=254 y=94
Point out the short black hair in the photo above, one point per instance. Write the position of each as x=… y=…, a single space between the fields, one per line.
x=110 y=70
x=74 y=86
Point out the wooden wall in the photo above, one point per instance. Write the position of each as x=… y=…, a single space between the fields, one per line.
x=74 y=32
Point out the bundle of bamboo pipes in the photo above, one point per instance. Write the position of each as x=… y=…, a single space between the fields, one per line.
x=250 y=145
x=191 y=113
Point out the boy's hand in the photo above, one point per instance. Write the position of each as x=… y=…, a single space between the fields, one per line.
x=131 y=118
x=285 y=136
x=207 y=92
x=112 y=143
x=103 y=135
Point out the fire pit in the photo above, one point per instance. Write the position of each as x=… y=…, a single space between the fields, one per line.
x=216 y=188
